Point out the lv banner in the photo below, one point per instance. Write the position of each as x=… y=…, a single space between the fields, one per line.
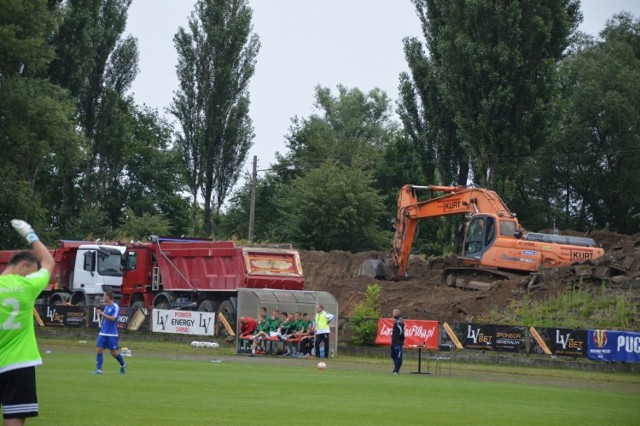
x=62 y=316
x=505 y=338
x=558 y=341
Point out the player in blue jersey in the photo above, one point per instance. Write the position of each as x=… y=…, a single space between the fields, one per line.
x=108 y=336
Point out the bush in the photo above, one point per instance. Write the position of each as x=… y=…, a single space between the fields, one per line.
x=364 y=321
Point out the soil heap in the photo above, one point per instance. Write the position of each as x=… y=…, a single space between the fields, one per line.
x=423 y=296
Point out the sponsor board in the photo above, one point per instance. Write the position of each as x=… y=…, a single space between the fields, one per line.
x=418 y=333
x=613 y=346
x=490 y=337
x=63 y=316
x=183 y=322
x=559 y=341
x=95 y=320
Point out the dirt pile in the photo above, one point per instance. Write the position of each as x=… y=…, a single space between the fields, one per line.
x=423 y=296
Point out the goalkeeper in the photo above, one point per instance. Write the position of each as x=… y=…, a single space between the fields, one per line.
x=26 y=275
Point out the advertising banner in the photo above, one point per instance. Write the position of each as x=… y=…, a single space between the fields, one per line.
x=509 y=338
x=489 y=337
x=416 y=333
x=62 y=316
x=613 y=346
x=183 y=322
x=96 y=320
x=559 y=341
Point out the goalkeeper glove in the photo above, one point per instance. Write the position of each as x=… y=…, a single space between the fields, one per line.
x=25 y=230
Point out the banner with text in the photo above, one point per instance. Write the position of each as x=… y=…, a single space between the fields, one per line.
x=416 y=333
x=95 y=320
x=613 y=346
x=62 y=316
x=558 y=341
x=183 y=322
x=489 y=337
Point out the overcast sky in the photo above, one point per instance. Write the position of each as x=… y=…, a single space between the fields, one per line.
x=305 y=43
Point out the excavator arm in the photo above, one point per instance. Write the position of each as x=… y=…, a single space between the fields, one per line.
x=455 y=200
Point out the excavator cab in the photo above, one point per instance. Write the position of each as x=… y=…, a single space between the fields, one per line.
x=480 y=235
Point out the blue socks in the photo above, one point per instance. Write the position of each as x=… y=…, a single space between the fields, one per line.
x=99 y=359
x=120 y=360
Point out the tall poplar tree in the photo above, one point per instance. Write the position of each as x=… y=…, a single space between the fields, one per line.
x=488 y=85
x=216 y=59
x=97 y=66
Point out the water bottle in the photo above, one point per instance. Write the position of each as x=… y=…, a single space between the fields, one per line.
x=322 y=351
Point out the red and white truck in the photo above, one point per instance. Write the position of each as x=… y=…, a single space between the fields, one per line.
x=168 y=273
x=82 y=272
x=200 y=275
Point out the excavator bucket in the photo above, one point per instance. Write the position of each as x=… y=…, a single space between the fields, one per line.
x=377 y=268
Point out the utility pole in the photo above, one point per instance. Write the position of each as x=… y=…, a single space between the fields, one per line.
x=252 y=206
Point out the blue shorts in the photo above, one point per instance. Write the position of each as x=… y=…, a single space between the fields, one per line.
x=107 y=342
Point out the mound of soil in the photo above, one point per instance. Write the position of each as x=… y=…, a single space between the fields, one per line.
x=423 y=296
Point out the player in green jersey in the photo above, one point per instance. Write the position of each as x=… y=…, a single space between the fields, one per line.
x=27 y=274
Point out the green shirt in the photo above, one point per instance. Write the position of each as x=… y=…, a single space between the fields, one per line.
x=298 y=325
x=274 y=324
x=306 y=325
x=18 y=347
x=262 y=326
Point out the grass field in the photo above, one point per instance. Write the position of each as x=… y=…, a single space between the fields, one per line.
x=169 y=384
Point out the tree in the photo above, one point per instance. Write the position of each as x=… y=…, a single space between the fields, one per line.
x=151 y=181
x=491 y=72
x=333 y=207
x=350 y=129
x=596 y=161
x=216 y=61
x=268 y=200
x=97 y=66
x=429 y=121
x=37 y=134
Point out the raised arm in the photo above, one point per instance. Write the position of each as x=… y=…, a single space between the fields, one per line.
x=40 y=250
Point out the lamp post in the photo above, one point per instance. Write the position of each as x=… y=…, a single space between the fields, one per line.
x=252 y=205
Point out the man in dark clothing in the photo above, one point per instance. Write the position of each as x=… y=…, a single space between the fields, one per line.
x=397 y=341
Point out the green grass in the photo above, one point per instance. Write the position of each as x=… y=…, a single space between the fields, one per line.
x=581 y=307
x=169 y=384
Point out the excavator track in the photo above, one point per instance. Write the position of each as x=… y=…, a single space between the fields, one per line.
x=475 y=278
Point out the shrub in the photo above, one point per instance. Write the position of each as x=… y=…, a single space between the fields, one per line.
x=364 y=321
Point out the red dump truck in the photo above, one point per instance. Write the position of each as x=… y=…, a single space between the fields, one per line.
x=82 y=272
x=169 y=273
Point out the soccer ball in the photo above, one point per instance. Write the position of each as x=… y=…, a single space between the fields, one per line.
x=322 y=365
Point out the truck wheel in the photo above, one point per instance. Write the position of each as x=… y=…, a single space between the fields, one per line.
x=164 y=304
x=59 y=299
x=226 y=308
x=138 y=305
x=208 y=306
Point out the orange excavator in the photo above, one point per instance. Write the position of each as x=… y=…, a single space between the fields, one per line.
x=494 y=247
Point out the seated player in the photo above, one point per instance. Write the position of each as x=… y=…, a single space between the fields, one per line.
x=307 y=339
x=248 y=326
x=270 y=326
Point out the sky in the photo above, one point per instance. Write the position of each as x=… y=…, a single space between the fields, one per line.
x=305 y=43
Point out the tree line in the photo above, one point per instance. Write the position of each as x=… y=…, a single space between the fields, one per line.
x=504 y=95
